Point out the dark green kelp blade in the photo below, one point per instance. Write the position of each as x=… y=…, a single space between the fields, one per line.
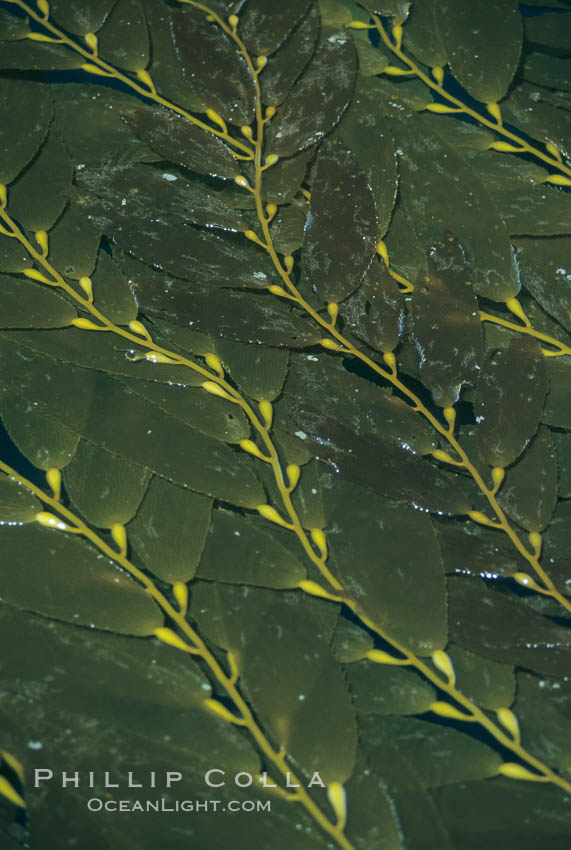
x=212 y=66
x=538 y=112
x=509 y=400
x=264 y=25
x=74 y=244
x=542 y=713
x=342 y=226
x=365 y=130
x=435 y=753
x=498 y=627
x=289 y=63
x=489 y=683
x=39 y=196
x=234 y=315
x=170 y=529
x=172 y=198
x=318 y=99
x=376 y=312
x=508 y=806
x=79 y=17
x=529 y=491
x=384 y=689
x=545 y=266
x=43 y=441
x=441 y=192
x=61 y=576
x=175 y=138
x=286 y=683
x=260 y=373
x=394 y=570
x=26 y=120
x=173 y=245
x=213 y=416
x=240 y=551
x=17 y=504
x=25 y=304
x=445 y=323
x=124 y=37
x=383 y=466
x=483 y=44
x=105 y=487
x=351 y=642
x=528 y=206
x=165 y=69
x=283 y=180
x=90 y=120
x=358 y=403
x=288 y=228
x=130 y=426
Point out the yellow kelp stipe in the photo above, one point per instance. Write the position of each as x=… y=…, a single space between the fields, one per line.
x=90 y=68
x=526 y=581
x=482 y=519
x=558 y=180
x=10 y=793
x=252 y=449
x=293 y=473
x=516 y=771
x=440 y=454
x=272 y=515
x=87 y=325
x=53 y=477
x=51 y=521
x=34 y=274
x=214 y=389
x=180 y=593
x=215 y=363
x=13 y=763
x=505 y=147
x=267 y=413
x=536 y=540
x=329 y=344
x=157 y=357
x=379 y=656
x=333 y=310
x=42 y=240
x=441 y=108
x=87 y=286
x=138 y=328
x=146 y=79
x=508 y=719
x=119 y=535
x=338 y=799
x=445 y=709
x=44 y=8
x=495 y=111
x=318 y=538
x=217 y=708
x=442 y=661
x=315 y=589
x=217 y=119
x=172 y=639
x=91 y=41
x=515 y=307
x=498 y=475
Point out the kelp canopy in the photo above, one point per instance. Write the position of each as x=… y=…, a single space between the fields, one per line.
x=284 y=371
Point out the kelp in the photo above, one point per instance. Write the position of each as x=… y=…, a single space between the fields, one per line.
x=284 y=488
